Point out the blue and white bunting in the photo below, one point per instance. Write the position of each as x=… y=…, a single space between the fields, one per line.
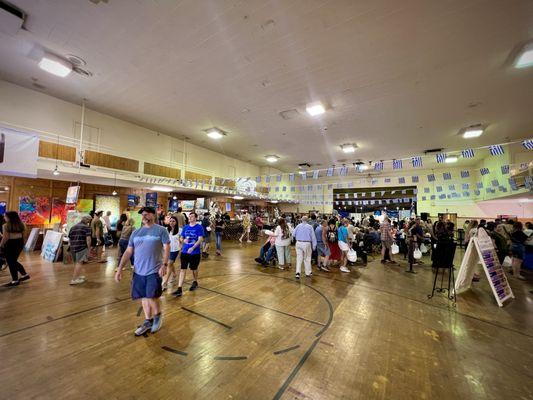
x=431 y=178
x=513 y=184
x=477 y=192
x=397 y=164
x=466 y=186
x=414 y=179
x=330 y=171
x=466 y=194
x=293 y=188
x=426 y=190
x=291 y=177
x=439 y=188
x=496 y=150
x=416 y=161
x=479 y=185
x=267 y=179
x=451 y=187
x=387 y=180
x=303 y=175
x=423 y=198
x=278 y=178
x=528 y=144
x=468 y=153
x=465 y=174
x=432 y=197
x=505 y=169
x=484 y=171
x=495 y=183
x=258 y=179
x=330 y=186
x=401 y=179
x=441 y=157
x=447 y=176
x=378 y=166
x=528 y=182
x=316 y=173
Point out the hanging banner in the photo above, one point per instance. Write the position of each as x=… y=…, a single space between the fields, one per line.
x=151 y=199
x=72 y=195
x=16 y=146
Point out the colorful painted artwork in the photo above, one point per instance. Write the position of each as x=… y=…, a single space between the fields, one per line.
x=59 y=211
x=108 y=203
x=34 y=210
x=84 y=205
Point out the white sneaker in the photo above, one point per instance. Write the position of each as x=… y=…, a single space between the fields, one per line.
x=77 y=281
x=344 y=269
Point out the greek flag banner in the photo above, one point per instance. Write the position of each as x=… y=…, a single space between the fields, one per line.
x=439 y=188
x=416 y=161
x=495 y=183
x=426 y=190
x=496 y=150
x=513 y=184
x=441 y=157
x=431 y=178
x=465 y=174
x=258 y=179
x=528 y=144
x=484 y=171
x=291 y=177
x=466 y=186
x=451 y=187
x=378 y=166
x=278 y=178
x=401 y=179
x=505 y=169
x=468 y=153
x=479 y=185
x=397 y=164
x=267 y=179
x=447 y=176
x=315 y=174
x=414 y=179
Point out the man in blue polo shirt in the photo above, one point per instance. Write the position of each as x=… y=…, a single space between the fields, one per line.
x=192 y=236
x=151 y=246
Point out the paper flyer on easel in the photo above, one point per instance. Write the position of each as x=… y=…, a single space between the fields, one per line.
x=481 y=250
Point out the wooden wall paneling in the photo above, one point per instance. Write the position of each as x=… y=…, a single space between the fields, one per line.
x=57 y=151
x=110 y=161
x=192 y=176
x=160 y=170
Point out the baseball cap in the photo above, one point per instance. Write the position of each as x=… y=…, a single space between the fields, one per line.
x=99 y=212
x=147 y=209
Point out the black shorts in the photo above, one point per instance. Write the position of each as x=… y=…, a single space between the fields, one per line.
x=146 y=286
x=190 y=261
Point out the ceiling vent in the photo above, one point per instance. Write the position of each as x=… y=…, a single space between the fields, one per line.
x=289 y=114
x=430 y=151
x=11 y=18
x=82 y=72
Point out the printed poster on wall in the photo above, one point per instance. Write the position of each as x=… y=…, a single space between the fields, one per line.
x=133 y=200
x=15 y=146
x=151 y=200
x=34 y=210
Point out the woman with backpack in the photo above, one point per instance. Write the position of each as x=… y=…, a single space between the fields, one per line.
x=283 y=234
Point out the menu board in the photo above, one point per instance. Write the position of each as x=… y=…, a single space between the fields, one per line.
x=481 y=250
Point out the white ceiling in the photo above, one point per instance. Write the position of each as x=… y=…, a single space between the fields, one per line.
x=398 y=77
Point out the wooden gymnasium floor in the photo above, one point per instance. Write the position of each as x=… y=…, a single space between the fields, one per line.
x=256 y=333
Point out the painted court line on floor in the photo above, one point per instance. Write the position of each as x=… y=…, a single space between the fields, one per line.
x=207 y=317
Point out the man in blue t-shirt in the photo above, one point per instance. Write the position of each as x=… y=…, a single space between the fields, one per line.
x=151 y=246
x=192 y=236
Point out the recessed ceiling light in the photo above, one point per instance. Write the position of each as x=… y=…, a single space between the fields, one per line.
x=55 y=65
x=314 y=109
x=215 y=133
x=473 y=132
x=272 y=158
x=348 y=148
x=525 y=58
x=451 y=159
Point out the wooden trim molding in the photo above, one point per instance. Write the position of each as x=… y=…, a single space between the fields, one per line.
x=109 y=161
x=160 y=170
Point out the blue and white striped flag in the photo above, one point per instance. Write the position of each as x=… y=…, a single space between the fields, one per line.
x=303 y=175
x=378 y=166
x=258 y=179
x=439 y=188
x=291 y=177
x=267 y=179
x=465 y=174
x=293 y=188
x=528 y=144
x=277 y=188
x=432 y=197
x=496 y=150
x=387 y=180
x=397 y=164
x=528 y=181
x=479 y=185
x=278 y=178
x=401 y=179
x=330 y=171
x=431 y=178
x=442 y=196
x=447 y=176
x=426 y=190
x=465 y=186
x=477 y=192
x=423 y=198
x=484 y=171
x=513 y=184
x=441 y=157
x=374 y=181
x=330 y=187
x=466 y=194
x=468 y=153
x=451 y=187
x=416 y=161
x=284 y=188
x=316 y=173
x=495 y=183
x=309 y=188
x=505 y=169
x=414 y=179
x=343 y=171
x=502 y=189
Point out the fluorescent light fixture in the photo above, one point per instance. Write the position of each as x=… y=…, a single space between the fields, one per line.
x=272 y=158
x=55 y=65
x=525 y=58
x=348 y=148
x=238 y=197
x=56 y=172
x=451 y=159
x=215 y=133
x=472 y=132
x=314 y=109
x=161 y=189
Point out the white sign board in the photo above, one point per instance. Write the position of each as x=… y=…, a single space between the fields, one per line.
x=481 y=250
x=51 y=243
x=32 y=240
x=18 y=153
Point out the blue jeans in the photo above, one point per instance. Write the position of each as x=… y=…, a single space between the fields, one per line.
x=269 y=253
x=218 y=240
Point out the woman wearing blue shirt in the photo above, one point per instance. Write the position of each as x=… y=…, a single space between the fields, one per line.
x=192 y=236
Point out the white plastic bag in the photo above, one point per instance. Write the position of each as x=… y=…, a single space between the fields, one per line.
x=507 y=262
x=423 y=248
x=352 y=255
x=417 y=254
x=394 y=249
